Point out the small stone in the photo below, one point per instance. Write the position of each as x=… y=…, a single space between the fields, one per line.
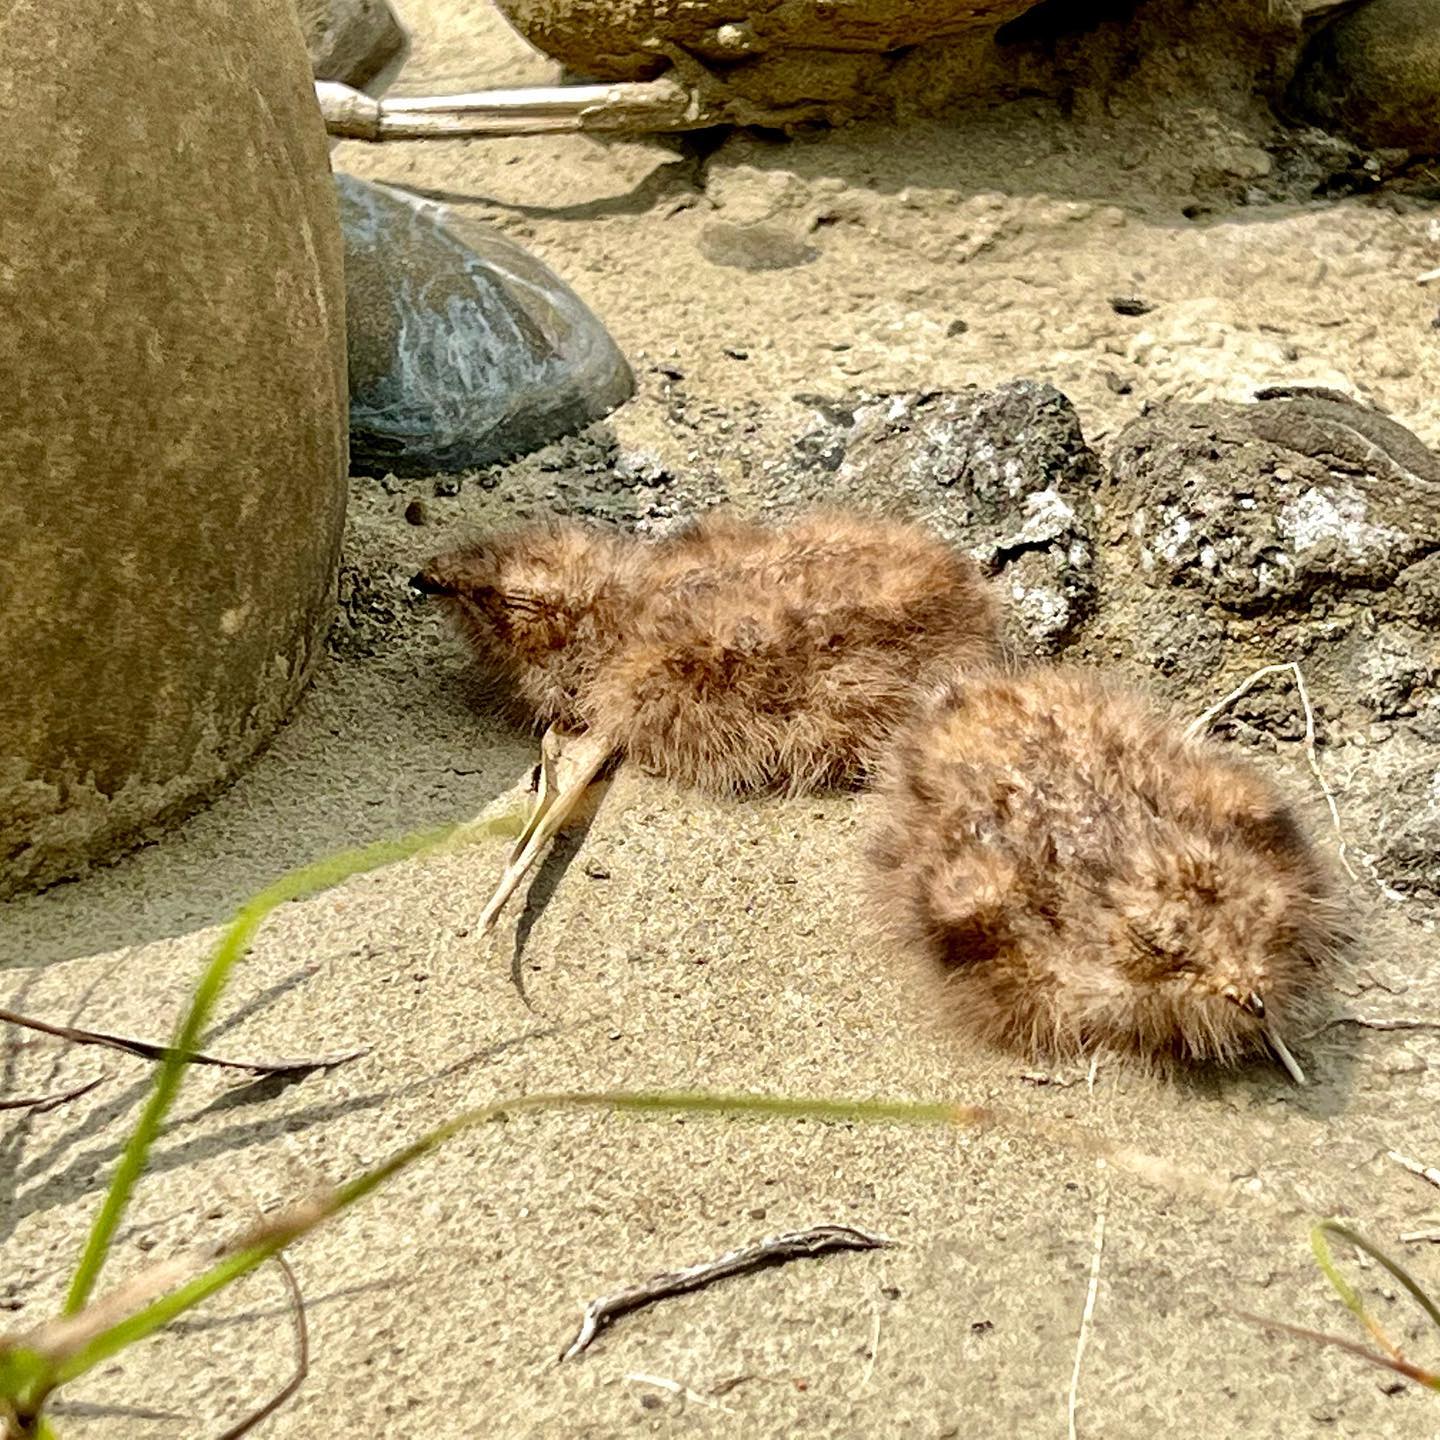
x=1006 y=474
x=753 y=247
x=956 y=327
x=1130 y=305
x=351 y=41
x=415 y=513
x=1301 y=497
x=464 y=349
x=1404 y=1061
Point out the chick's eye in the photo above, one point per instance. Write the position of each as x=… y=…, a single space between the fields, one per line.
x=1149 y=946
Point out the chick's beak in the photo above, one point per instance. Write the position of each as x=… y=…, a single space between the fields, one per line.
x=1253 y=1001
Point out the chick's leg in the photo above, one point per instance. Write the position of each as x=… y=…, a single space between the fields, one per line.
x=568 y=764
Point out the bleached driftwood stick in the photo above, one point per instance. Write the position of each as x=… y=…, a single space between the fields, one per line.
x=638 y=108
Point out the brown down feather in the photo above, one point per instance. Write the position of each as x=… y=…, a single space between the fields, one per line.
x=1082 y=877
x=731 y=656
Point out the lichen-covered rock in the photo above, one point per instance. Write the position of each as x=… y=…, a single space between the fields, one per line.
x=464 y=349
x=172 y=475
x=1375 y=72
x=1005 y=473
x=1270 y=505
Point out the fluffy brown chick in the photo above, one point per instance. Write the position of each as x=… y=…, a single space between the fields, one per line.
x=731 y=656
x=1087 y=878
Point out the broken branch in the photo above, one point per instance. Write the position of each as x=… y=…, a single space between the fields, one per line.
x=773 y=1250
x=1425 y=1172
x=1203 y=723
x=148 y=1050
x=39 y=1104
x=640 y=108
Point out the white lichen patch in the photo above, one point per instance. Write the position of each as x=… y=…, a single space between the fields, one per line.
x=1335 y=518
x=1175 y=529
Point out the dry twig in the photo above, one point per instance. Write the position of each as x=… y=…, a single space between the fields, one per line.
x=1415 y=1167
x=1370 y=1022
x=641 y=108
x=773 y=1250
x=39 y=1104
x=302 y=1360
x=1412 y=1237
x=1088 y=1315
x=147 y=1050
x=1203 y=723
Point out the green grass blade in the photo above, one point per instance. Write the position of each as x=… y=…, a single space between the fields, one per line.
x=231 y=947
x=290 y=1225
x=1346 y=1293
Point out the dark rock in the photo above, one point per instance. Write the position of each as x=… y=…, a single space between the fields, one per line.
x=464 y=349
x=1284 y=503
x=1375 y=73
x=1005 y=473
x=1415 y=595
x=350 y=40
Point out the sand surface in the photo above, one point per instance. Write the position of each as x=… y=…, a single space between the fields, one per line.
x=680 y=942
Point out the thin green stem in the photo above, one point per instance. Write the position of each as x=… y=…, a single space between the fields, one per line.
x=232 y=946
x=284 y=1229
x=1343 y=1288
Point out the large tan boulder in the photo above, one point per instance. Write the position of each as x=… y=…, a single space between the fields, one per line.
x=1376 y=74
x=626 y=39
x=172 y=410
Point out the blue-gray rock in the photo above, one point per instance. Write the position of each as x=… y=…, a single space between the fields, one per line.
x=464 y=350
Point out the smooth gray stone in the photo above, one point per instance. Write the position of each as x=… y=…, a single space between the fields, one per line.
x=464 y=350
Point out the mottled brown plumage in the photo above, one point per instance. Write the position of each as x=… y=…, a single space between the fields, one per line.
x=1086 y=878
x=732 y=657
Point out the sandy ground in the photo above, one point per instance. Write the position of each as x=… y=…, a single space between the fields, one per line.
x=686 y=943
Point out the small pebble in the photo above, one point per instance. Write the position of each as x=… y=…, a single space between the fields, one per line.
x=415 y=513
x=1130 y=305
